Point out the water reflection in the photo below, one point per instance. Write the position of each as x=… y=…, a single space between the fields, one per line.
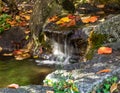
x=24 y=72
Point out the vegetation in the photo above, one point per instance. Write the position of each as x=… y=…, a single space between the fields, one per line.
x=94 y=42
x=64 y=84
x=3 y=22
x=52 y=12
x=105 y=87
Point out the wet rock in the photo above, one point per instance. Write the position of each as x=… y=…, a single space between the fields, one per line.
x=27 y=89
x=110 y=28
x=85 y=73
x=87 y=8
x=12 y=39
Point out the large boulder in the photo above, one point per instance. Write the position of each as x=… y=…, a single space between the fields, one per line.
x=12 y=39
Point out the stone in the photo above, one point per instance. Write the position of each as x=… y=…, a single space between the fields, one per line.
x=27 y=89
x=84 y=73
x=13 y=39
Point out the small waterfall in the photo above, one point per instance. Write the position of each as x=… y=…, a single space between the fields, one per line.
x=67 y=46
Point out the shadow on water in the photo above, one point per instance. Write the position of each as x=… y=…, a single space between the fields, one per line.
x=24 y=72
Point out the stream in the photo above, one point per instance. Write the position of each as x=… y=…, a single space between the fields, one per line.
x=25 y=72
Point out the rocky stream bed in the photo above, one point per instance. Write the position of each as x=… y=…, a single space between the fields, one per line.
x=85 y=73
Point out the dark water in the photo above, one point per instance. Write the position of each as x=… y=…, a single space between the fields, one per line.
x=24 y=72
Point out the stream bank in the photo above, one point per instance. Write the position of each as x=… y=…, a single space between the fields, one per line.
x=84 y=73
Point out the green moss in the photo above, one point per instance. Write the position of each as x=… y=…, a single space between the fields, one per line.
x=97 y=40
x=94 y=41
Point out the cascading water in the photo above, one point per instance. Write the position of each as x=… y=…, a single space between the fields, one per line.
x=62 y=49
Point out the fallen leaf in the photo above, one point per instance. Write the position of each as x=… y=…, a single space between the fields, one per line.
x=12 y=23
x=17 y=52
x=91 y=19
x=102 y=20
x=85 y=20
x=71 y=23
x=0 y=49
x=8 y=54
x=17 y=17
x=104 y=71
x=26 y=17
x=101 y=6
x=63 y=20
x=27 y=37
x=104 y=50
x=13 y=86
x=113 y=87
x=23 y=23
x=29 y=11
x=35 y=56
x=70 y=16
x=22 y=56
x=27 y=31
x=48 y=91
x=53 y=19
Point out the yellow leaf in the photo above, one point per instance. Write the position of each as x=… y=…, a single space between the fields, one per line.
x=35 y=56
x=63 y=20
x=113 y=87
x=27 y=37
x=27 y=17
x=17 y=17
x=0 y=49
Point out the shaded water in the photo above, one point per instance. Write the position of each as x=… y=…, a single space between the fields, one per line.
x=24 y=72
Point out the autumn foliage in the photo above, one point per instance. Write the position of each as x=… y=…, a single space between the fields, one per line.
x=104 y=50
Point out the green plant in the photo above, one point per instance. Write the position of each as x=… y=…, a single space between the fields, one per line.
x=3 y=22
x=64 y=84
x=105 y=86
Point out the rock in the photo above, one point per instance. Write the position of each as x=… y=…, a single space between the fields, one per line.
x=13 y=39
x=84 y=73
x=27 y=89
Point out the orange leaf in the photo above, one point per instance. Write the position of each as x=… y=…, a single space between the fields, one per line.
x=17 y=52
x=13 y=86
x=27 y=17
x=104 y=50
x=12 y=23
x=71 y=23
x=104 y=71
x=53 y=19
x=90 y=19
x=93 y=19
x=23 y=23
x=85 y=20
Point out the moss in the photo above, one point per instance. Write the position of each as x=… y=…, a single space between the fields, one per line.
x=95 y=40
